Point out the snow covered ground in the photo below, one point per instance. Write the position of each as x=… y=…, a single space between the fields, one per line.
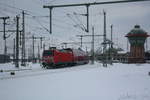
x=84 y=82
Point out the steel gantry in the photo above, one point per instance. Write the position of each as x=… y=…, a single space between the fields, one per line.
x=33 y=45
x=50 y=7
x=4 y=36
x=92 y=43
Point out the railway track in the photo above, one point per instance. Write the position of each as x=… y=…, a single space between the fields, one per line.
x=14 y=70
x=39 y=72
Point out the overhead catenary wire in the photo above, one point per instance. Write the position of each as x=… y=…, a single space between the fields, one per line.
x=37 y=19
x=76 y=23
x=42 y=25
x=82 y=25
x=55 y=19
x=3 y=12
x=37 y=2
x=19 y=10
x=8 y=11
x=13 y=10
x=28 y=12
x=50 y=7
x=12 y=7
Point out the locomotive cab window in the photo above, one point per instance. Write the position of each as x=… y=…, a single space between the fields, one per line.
x=48 y=53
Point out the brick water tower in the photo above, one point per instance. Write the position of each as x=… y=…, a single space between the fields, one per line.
x=137 y=37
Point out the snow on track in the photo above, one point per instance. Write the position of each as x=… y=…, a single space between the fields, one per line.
x=20 y=73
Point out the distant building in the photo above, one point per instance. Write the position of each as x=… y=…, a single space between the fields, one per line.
x=137 y=37
x=4 y=58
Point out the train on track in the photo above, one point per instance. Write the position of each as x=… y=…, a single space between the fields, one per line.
x=54 y=58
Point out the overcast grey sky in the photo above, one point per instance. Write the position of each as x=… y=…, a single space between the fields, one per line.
x=122 y=16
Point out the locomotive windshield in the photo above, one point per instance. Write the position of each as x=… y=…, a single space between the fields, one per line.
x=48 y=53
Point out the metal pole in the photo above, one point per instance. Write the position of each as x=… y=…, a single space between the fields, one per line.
x=104 y=39
x=20 y=38
x=44 y=46
x=81 y=37
x=111 y=36
x=33 y=47
x=14 y=51
x=5 y=48
x=104 y=45
x=81 y=41
x=111 y=47
x=50 y=16
x=41 y=42
x=87 y=10
x=17 y=42
x=92 y=46
x=23 y=38
x=38 y=53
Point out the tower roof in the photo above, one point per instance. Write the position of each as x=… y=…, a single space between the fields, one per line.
x=137 y=31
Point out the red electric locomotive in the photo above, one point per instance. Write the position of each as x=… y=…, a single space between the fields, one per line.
x=54 y=57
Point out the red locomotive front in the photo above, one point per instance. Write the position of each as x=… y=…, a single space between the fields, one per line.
x=47 y=58
x=64 y=57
